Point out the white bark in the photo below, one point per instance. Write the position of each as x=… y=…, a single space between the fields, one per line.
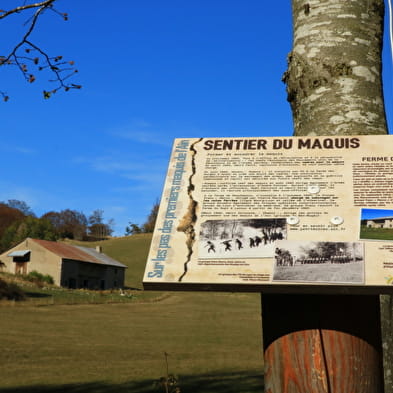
x=334 y=70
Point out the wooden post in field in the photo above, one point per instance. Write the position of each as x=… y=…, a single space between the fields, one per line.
x=322 y=343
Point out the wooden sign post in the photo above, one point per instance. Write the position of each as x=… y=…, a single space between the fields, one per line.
x=322 y=343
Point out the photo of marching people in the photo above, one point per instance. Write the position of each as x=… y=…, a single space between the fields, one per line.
x=247 y=238
x=339 y=262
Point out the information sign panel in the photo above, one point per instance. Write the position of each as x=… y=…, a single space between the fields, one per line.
x=298 y=214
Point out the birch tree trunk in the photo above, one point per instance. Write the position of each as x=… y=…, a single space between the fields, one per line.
x=331 y=343
x=334 y=70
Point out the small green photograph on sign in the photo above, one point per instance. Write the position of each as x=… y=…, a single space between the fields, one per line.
x=376 y=224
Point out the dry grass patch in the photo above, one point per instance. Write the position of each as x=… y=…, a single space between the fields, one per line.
x=203 y=333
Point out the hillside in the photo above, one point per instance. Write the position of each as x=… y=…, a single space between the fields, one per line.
x=118 y=344
x=130 y=250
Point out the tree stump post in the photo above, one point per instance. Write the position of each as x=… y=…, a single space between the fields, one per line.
x=322 y=343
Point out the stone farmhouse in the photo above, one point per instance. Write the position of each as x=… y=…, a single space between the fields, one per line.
x=70 y=266
x=382 y=222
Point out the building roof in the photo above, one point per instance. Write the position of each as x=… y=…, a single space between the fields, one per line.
x=100 y=256
x=84 y=254
x=18 y=253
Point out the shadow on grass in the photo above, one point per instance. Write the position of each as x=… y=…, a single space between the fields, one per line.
x=219 y=382
x=36 y=295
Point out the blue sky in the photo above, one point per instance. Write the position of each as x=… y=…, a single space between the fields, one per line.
x=375 y=213
x=151 y=71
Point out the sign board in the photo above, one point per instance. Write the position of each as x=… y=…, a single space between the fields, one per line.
x=298 y=214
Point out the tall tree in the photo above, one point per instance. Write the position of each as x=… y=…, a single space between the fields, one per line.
x=68 y=223
x=334 y=87
x=148 y=226
x=34 y=227
x=20 y=205
x=98 y=229
x=8 y=216
x=132 y=229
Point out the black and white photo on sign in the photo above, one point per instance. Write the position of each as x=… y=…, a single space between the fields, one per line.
x=338 y=262
x=247 y=238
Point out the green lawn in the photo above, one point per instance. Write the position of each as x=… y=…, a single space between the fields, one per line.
x=376 y=233
x=58 y=341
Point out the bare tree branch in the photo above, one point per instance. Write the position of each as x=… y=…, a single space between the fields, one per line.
x=62 y=70
x=46 y=3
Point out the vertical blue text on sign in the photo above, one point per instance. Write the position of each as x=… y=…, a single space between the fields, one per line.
x=180 y=157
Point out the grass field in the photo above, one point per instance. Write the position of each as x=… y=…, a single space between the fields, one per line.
x=376 y=233
x=213 y=340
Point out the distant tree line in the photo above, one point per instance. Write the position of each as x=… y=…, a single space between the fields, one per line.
x=18 y=221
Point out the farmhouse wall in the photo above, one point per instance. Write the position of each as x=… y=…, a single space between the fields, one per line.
x=69 y=273
x=91 y=276
x=75 y=267
x=372 y=224
x=115 y=277
x=388 y=224
x=40 y=260
x=380 y=223
x=77 y=274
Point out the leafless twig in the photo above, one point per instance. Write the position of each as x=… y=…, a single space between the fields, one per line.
x=34 y=55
